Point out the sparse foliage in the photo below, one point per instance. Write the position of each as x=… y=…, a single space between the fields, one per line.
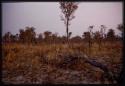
x=68 y=9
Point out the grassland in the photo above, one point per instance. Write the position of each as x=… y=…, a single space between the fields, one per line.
x=44 y=63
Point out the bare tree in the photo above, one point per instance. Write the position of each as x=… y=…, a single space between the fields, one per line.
x=102 y=34
x=97 y=38
x=91 y=35
x=90 y=38
x=68 y=9
x=120 y=28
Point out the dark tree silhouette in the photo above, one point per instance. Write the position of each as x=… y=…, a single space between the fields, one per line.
x=22 y=35
x=47 y=35
x=68 y=9
x=111 y=35
x=40 y=38
x=28 y=35
x=13 y=38
x=6 y=37
x=86 y=36
x=70 y=33
x=120 y=27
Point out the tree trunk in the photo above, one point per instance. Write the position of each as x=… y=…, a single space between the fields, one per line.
x=89 y=46
x=67 y=29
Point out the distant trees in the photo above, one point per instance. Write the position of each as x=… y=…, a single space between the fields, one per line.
x=68 y=9
x=91 y=36
x=6 y=37
x=88 y=37
x=102 y=31
x=28 y=35
x=13 y=38
x=10 y=38
x=40 y=38
x=120 y=28
x=97 y=38
x=47 y=35
x=76 y=39
x=102 y=34
x=111 y=35
x=54 y=38
x=100 y=37
x=21 y=35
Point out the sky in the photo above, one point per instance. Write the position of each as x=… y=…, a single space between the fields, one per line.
x=45 y=16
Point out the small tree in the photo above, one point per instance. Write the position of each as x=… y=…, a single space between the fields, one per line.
x=90 y=38
x=87 y=36
x=111 y=35
x=22 y=36
x=68 y=9
x=102 y=33
x=30 y=34
x=47 y=35
x=91 y=35
x=97 y=38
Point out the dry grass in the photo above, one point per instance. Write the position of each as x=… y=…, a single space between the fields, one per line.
x=39 y=63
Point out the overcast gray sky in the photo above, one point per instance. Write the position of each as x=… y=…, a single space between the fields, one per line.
x=46 y=16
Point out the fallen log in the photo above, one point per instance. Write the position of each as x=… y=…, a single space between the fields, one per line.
x=108 y=74
x=68 y=60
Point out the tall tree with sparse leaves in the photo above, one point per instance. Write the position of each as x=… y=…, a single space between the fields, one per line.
x=68 y=9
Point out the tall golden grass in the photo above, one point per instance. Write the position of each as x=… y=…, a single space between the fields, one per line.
x=20 y=58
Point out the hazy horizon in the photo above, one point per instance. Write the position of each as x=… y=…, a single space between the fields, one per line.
x=45 y=16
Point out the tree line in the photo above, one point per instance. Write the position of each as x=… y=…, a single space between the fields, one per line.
x=28 y=35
